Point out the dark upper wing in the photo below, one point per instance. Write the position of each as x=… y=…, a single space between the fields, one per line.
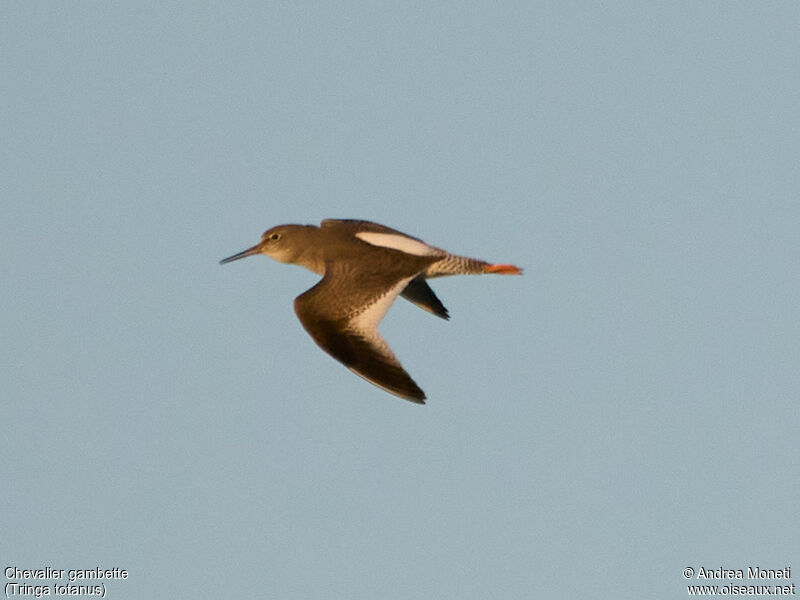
x=356 y=225
x=420 y=293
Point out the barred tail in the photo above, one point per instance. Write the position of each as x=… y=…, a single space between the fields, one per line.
x=452 y=264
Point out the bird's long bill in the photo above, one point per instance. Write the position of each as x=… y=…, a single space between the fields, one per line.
x=249 y=252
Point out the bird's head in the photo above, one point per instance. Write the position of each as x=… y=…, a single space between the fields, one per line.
x=282 y=243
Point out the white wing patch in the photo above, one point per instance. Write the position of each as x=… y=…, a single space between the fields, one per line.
x=395 y=241
x=366 y=323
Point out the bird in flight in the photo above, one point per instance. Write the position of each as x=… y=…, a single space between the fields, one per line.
x=364 y=267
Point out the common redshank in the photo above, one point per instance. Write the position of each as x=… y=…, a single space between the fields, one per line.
x=364 y=267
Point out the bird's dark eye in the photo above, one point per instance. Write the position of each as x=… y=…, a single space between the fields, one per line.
x=275 y=237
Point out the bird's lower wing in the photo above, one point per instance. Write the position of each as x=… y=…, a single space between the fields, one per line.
x=370 y=358
x=348 y=331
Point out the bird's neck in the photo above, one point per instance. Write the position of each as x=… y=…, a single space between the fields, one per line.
x=311 y=256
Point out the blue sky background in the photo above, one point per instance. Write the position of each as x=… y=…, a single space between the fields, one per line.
x=627 y=408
